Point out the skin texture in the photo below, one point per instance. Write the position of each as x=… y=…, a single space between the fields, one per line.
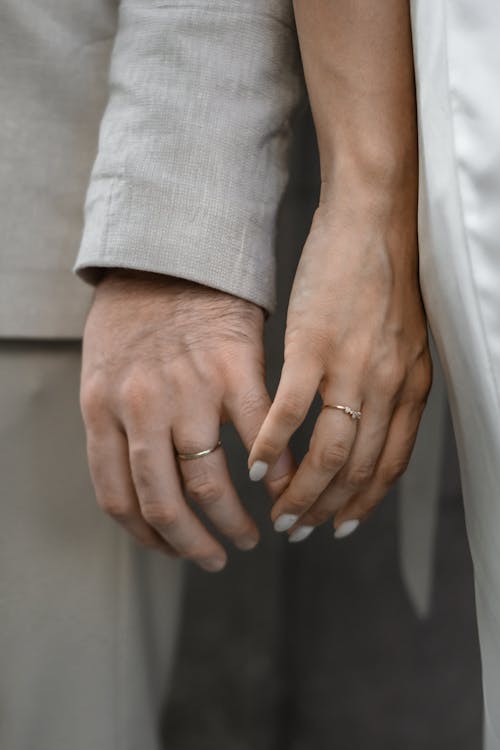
x=165 y=362
x=356 y=328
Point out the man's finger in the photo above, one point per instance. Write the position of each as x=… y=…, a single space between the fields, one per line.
x=157 y=482
x=207 y=479
x=114 y=489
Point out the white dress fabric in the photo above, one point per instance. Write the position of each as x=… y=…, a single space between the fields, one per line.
x=457 y=64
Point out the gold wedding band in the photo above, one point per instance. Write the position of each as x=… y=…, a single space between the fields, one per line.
x=189 y=456
x=353 y=413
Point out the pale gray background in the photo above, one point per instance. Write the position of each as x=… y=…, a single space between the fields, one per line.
x=315 y=646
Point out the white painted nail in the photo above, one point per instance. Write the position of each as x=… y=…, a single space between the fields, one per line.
x=300 y=533
x=285 y=522
x=346 y=528
x=258 y=470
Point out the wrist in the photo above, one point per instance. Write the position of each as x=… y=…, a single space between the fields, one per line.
x=379 y=187
x=383 y=221
x=377 y=169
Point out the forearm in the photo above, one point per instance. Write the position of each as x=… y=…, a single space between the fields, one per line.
x=356 y=331
x=358 y=64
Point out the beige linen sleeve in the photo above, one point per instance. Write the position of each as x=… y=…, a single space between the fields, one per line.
x=193 y=144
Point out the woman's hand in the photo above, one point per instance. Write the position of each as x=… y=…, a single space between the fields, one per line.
x=356 y=332
x=356 y=328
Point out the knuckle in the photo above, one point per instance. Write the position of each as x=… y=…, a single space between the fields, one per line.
x=254 y=401
x=93 y=400
x=390 y=376
x=418 y=387
x=415 y=396
x=115 y=508
x=358 y=476
x=291 y=410
x=136 y=393
x=330 y=457
x=149 y=542
x=185 y=443
x=426 y=367
x=205 y=490
x=399 y=467
x=297 y=505
x=317 y=516
x=197 y=551
x=158 y=515
x=424 y=392
x=394 y=469
x=173 y=373
x=369 y=503
x=268 y=447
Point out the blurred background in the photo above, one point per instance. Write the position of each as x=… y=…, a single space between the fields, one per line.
x=316 y=646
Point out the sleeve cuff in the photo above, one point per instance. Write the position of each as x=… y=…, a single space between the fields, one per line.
x=193 y=145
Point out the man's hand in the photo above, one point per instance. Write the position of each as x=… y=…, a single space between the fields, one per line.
x=165 y=362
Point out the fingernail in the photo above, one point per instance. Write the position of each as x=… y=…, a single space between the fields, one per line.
x=346 y=528
x=258 y=471
x=285 y=522
x=300 y=533
x=246 y=542
x=213 y=564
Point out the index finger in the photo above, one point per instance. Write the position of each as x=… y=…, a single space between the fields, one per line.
x=296 y=390
x=247 y=405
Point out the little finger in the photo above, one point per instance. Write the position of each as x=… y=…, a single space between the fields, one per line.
x=392 y=463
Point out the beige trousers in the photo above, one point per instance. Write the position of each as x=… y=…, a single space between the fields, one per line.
x=87 y=618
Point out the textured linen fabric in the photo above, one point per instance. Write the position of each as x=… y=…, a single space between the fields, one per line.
x=191 y=163
x=191 y=158
x=193 y=145
x=54 y=57
x=190 y=166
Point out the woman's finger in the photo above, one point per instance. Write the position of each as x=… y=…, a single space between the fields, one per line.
x=298 y=384
x=329 y=449
x=247 y=403
x=358 y=470
x=391 y=464
x=206 y=478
